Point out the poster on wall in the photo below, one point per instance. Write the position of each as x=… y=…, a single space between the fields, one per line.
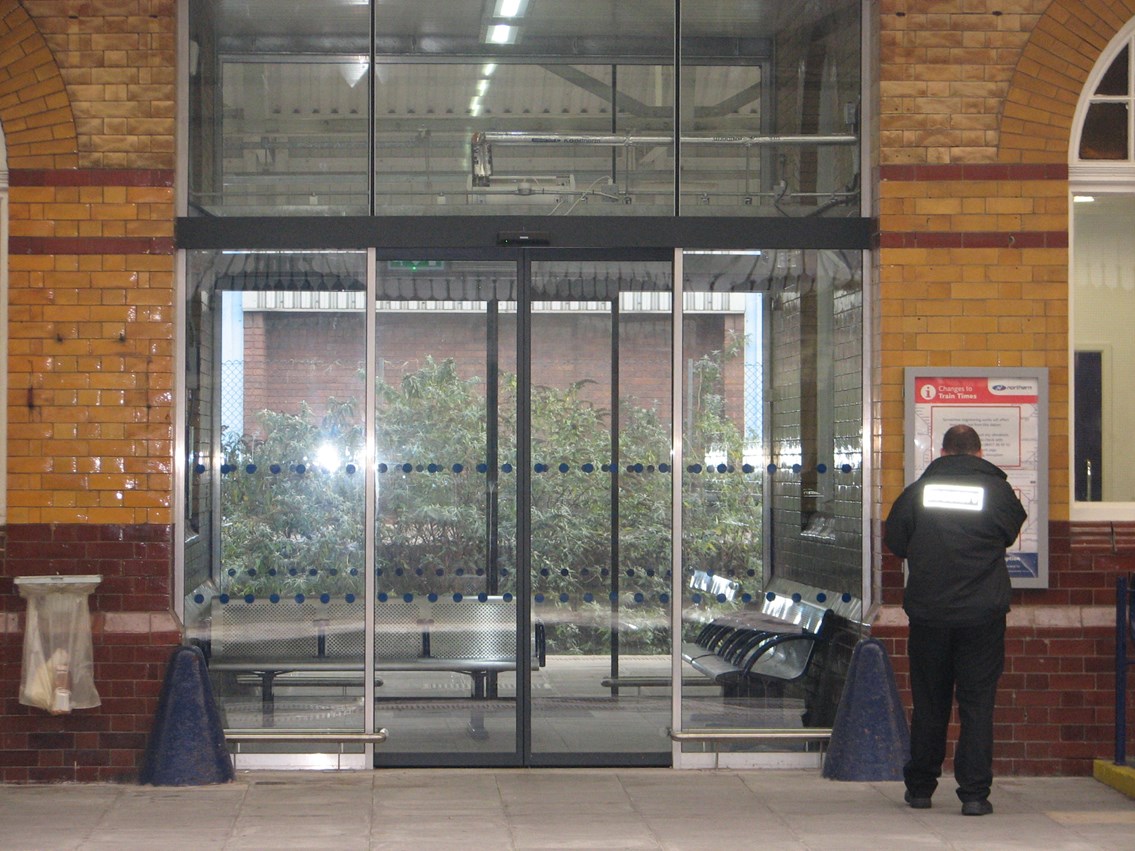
x=1009 y=409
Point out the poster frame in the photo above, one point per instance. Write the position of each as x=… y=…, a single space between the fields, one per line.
x=1038 y=511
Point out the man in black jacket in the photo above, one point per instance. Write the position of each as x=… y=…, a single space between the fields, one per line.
x=953 y=527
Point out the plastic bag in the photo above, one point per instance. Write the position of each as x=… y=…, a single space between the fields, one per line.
x=58 y=669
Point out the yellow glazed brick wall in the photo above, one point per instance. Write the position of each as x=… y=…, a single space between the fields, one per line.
x=973 y=272
x=88 y=90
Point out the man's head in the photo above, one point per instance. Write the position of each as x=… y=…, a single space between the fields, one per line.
x=961 y=440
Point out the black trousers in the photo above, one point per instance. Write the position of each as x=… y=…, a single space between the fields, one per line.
x=945 y=662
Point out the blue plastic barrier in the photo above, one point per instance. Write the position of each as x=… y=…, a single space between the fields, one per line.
x=187 y=745
x=870 y=736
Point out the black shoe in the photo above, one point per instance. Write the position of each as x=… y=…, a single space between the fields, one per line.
x=917 y=802
x=976 y=808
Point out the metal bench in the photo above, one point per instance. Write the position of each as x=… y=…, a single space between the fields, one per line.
x=760 y=649
x=323 y=644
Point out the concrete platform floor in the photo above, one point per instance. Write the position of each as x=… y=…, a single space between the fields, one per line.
x=558 y=809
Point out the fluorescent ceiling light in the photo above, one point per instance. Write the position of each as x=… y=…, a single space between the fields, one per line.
x=1083 y=199
x=501 y=34
x=510 y=8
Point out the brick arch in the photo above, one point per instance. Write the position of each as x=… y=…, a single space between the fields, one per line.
x=1036 y=121
x=35 y=109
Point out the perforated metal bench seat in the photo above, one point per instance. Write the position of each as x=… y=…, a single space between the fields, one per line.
x=776 y=642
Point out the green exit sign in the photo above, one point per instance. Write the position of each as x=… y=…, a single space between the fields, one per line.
x=416 y=265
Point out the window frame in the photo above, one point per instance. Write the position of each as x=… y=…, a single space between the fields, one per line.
x=1096 y=178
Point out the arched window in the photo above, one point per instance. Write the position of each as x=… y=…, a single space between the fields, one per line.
x=1102 y=287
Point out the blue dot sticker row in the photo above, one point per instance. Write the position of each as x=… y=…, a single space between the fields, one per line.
x=388 y=597
x=457 y=469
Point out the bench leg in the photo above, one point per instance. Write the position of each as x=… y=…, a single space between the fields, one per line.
x=267 y=698
x=476 y=727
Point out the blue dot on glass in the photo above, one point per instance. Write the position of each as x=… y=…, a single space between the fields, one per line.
x=457 y=468
x=613 y=596
x=606 y=468
x=821 y=597
x=696 y=598
x=432 y=597
x=420 y=468
x=638 y=597
x=200 y=468
x=539 y=468
x=301 y=469
x=796 y=468
x=226 y=469
x=746 y=598
x=299 y=598
x=440 y=571
x=482 y=468
x=325 y=598
x=351 y=469
x=252 y=571
x=398 y=571
x=232 y=571
x=313 y=572
x=638 y=468
x=198 y=598
x=663 y=598
x=544 y=571
x=274 y=597
x=588 y=467
x=796 y=597
x=408 y=597
x=382 y=597
x=292 y=571
x=846 y=598
x=539 y=598
x=664 y=468
x=483 y=597
x=460 y=571
x=564 y=468
x=224 y=598
x=846 y=468
x=457 y=598
x=354 y=571
x=771 y=468
x=821 y=468
x=350 y=598
x=563 y=571
x=382 y=468
x=588 y=597
x=419 y=571
x=770 y=596
x=506 y=468
x=507 y=597
x=721 y=468
x=746 y=468
x=250 y=469
x=407 y=468
x=563 y=598
x=721 y=598
x=275 y=469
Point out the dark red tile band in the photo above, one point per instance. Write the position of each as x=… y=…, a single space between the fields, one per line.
x=974 y=239
x=90 y=245
x=975 y=171
x=91 y=177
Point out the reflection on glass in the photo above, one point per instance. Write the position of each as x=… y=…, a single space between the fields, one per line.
x=1115 y=81
x=772 y=500
x=276 y=435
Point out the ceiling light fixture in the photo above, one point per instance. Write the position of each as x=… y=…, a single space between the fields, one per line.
x=510 y=8
x=501 y=34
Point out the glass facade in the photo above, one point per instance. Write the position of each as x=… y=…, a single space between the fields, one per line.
x=525 y=107
x=435 y=489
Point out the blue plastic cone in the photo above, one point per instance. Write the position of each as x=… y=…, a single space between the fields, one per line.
x=187 y=745
x=870 y=736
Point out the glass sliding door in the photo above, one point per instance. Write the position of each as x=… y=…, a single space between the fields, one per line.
x=446 y=612
x=600 y=435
